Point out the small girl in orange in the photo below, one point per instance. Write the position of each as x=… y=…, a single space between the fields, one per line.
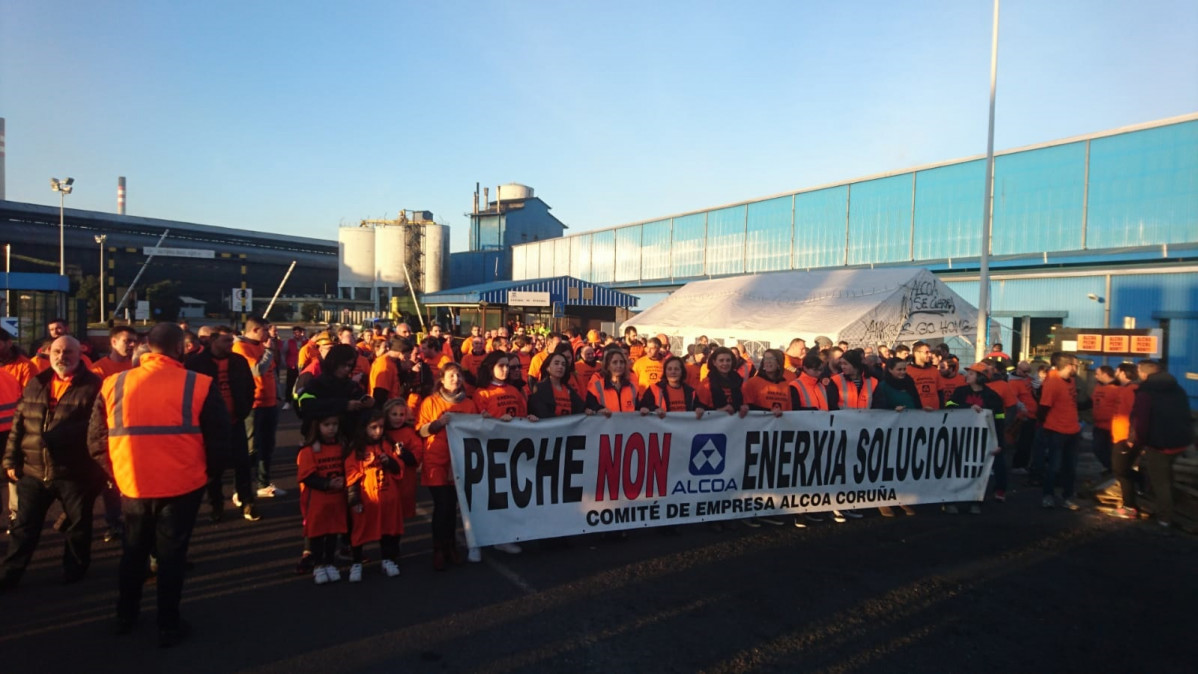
x=409 y=447
x=321 y=478
x=372 y=475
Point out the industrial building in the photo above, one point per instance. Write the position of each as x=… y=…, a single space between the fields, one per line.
x=1094 y=231
x=516 y=216
x=380 y=259
x=207 y=261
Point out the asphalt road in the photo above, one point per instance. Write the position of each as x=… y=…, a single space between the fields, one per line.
x=1014 y=589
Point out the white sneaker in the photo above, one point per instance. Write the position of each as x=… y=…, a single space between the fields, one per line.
x=1070 y=504
x=236 y=500
x=334 y=574
x=838 y=517
x=510 y=548
x=355 y=573
x=286 y=406
x=474 y=555
x=390 y=568
x=320 y=575
x=271 y=491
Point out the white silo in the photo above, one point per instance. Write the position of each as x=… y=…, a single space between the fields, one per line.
x=355 y=268
x=512 y=192
x=434 y=256
x=389 y=250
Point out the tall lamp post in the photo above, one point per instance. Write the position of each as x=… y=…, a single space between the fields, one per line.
x=100 y=239
x=63 y=188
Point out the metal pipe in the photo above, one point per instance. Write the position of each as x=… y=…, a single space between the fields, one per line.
x=266 y=314
x=414 y=300
x=62 y=260
x=100 y=239
x=149 y=256
x=987 y=204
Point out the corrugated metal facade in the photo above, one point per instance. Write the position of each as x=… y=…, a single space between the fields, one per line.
x=566 y=289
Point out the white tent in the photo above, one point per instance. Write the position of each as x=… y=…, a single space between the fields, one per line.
x=860 y=306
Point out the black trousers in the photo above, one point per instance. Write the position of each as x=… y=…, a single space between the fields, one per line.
x=34 y=499
x=445 y=502
x=322 y=548
x=162 y=527
x=243 y=479
x=1123 y=459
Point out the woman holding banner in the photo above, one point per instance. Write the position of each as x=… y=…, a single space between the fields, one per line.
x=671 y=393
x=612 y=390
x=436 y=473
x=722 y=388
x=496 y=397
x=554 y=397
x=768 y=390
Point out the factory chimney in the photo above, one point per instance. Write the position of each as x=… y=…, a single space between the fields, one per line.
x=2 y=197
x=120 y=195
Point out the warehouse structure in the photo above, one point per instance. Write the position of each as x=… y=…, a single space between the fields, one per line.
x=1094 y=231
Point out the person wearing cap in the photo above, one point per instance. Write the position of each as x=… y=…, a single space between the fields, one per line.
x=977 y=396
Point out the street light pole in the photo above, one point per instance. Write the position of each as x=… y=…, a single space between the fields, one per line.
x=63 y=187
x=100 y=239
x=982 y=338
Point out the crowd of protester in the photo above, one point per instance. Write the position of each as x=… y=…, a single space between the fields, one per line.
x=374 y=407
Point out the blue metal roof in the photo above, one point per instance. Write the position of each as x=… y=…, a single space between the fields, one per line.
x=34 y=281
x=558 y=288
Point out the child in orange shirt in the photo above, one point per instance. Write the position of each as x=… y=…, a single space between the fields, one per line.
x=372 y=475
x=409 y=447
x=321 y=477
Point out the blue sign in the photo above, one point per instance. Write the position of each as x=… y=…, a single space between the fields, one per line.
x=707 y=454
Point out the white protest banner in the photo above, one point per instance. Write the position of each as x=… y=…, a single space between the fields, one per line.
x=520 y=480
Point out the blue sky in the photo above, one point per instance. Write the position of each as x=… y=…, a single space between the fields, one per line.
x=295 y=117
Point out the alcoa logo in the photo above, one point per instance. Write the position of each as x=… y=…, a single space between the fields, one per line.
x=707 y=454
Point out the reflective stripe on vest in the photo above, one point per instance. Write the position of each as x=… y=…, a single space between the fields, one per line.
x=854 y=401
x=805 y=396
x=6 y=414
x=10 y=390
x=601 y=392
x=118 y=427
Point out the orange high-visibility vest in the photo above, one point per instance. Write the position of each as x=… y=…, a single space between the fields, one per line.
x=811 y=393
x=154 y=437
x=851 y=397
x=10 y=394
x=623 y=400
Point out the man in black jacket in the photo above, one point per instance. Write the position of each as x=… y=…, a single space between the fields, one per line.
x=47 y=457
x=232 y=376
x=1161 y=428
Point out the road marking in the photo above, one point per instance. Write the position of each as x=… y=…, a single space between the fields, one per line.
x=507 y=573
